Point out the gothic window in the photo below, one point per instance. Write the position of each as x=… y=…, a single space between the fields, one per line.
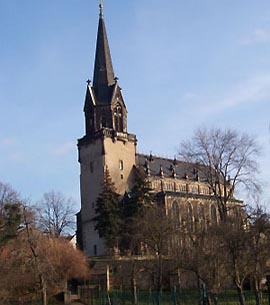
x=176 y=213
x=190 y=215
x=213 y=214
x=118 y=118
x=201 y=212
x=89 y=123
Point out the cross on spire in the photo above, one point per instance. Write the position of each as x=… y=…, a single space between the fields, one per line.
x=101 y=7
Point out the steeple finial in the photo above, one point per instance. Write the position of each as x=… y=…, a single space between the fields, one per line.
x=101 y=8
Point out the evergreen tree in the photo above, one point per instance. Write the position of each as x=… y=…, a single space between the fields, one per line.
x=133 y=207
x=10 y=213
x=10 y=221
x=107 y=210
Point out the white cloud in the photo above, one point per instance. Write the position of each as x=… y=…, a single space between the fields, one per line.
x=64 y=149
x=17 y=157
x=7 y=141
x=250 y=91
x=200 y=108
x=257 y=36
x=190 y=96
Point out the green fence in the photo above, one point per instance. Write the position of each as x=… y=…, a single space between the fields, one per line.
x=92 y=296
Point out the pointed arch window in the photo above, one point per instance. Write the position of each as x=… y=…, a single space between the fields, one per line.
x=176 y=213
x=118 y=117
x=213 y=213
x=201 y=212
x=190 y=216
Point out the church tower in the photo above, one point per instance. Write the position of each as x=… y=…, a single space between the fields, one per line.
x=106 y=143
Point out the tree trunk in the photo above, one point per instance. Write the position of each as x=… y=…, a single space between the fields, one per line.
x=215 y=298
x=241 y=296
x=31 y=241
x=257 y=291
x=44 y=291
x=209 y=301
x=160 y=275
x=134 y=285
x=179 y=279
x=238 y=283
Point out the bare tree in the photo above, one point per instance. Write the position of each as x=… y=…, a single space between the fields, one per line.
x=37 y=266
x=32 y=239
x=259 y=247
x=226 y=160
x=156 y=236
x=197 y=251
x=56 y=214
x=234 y=244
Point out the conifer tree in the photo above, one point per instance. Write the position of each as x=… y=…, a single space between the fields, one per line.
x=10 y=213
x=107 y=210
x=133 y=207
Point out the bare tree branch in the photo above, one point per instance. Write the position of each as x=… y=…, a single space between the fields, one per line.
x=226 y=160
x=56 y=214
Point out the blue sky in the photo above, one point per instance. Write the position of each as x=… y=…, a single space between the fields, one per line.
x=181 y=64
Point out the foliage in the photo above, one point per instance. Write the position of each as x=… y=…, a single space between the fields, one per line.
x=108 y=218
x=33 y=265
x=40 y=264
x=133 y=206
x=10 y=213
x=140 y=196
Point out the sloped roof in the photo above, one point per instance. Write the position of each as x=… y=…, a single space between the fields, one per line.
x=103 y=72
x=158 y=166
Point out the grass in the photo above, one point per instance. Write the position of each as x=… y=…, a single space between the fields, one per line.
x=188 y=297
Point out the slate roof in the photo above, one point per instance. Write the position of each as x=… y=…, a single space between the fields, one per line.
x=104 y=79
x=163 y=167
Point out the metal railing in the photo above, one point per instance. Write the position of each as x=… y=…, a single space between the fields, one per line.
x=91 y=295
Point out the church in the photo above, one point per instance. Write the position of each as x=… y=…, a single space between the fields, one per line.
x=180 y=186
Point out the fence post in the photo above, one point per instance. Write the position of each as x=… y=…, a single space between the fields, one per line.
x=159 y=299
x=150 y=296
x=67 y=297
x=174 y=295
x=79 y=291
x=204 y=294
x=103 y=298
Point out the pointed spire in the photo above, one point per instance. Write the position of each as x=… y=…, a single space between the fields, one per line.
x=103 y=72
